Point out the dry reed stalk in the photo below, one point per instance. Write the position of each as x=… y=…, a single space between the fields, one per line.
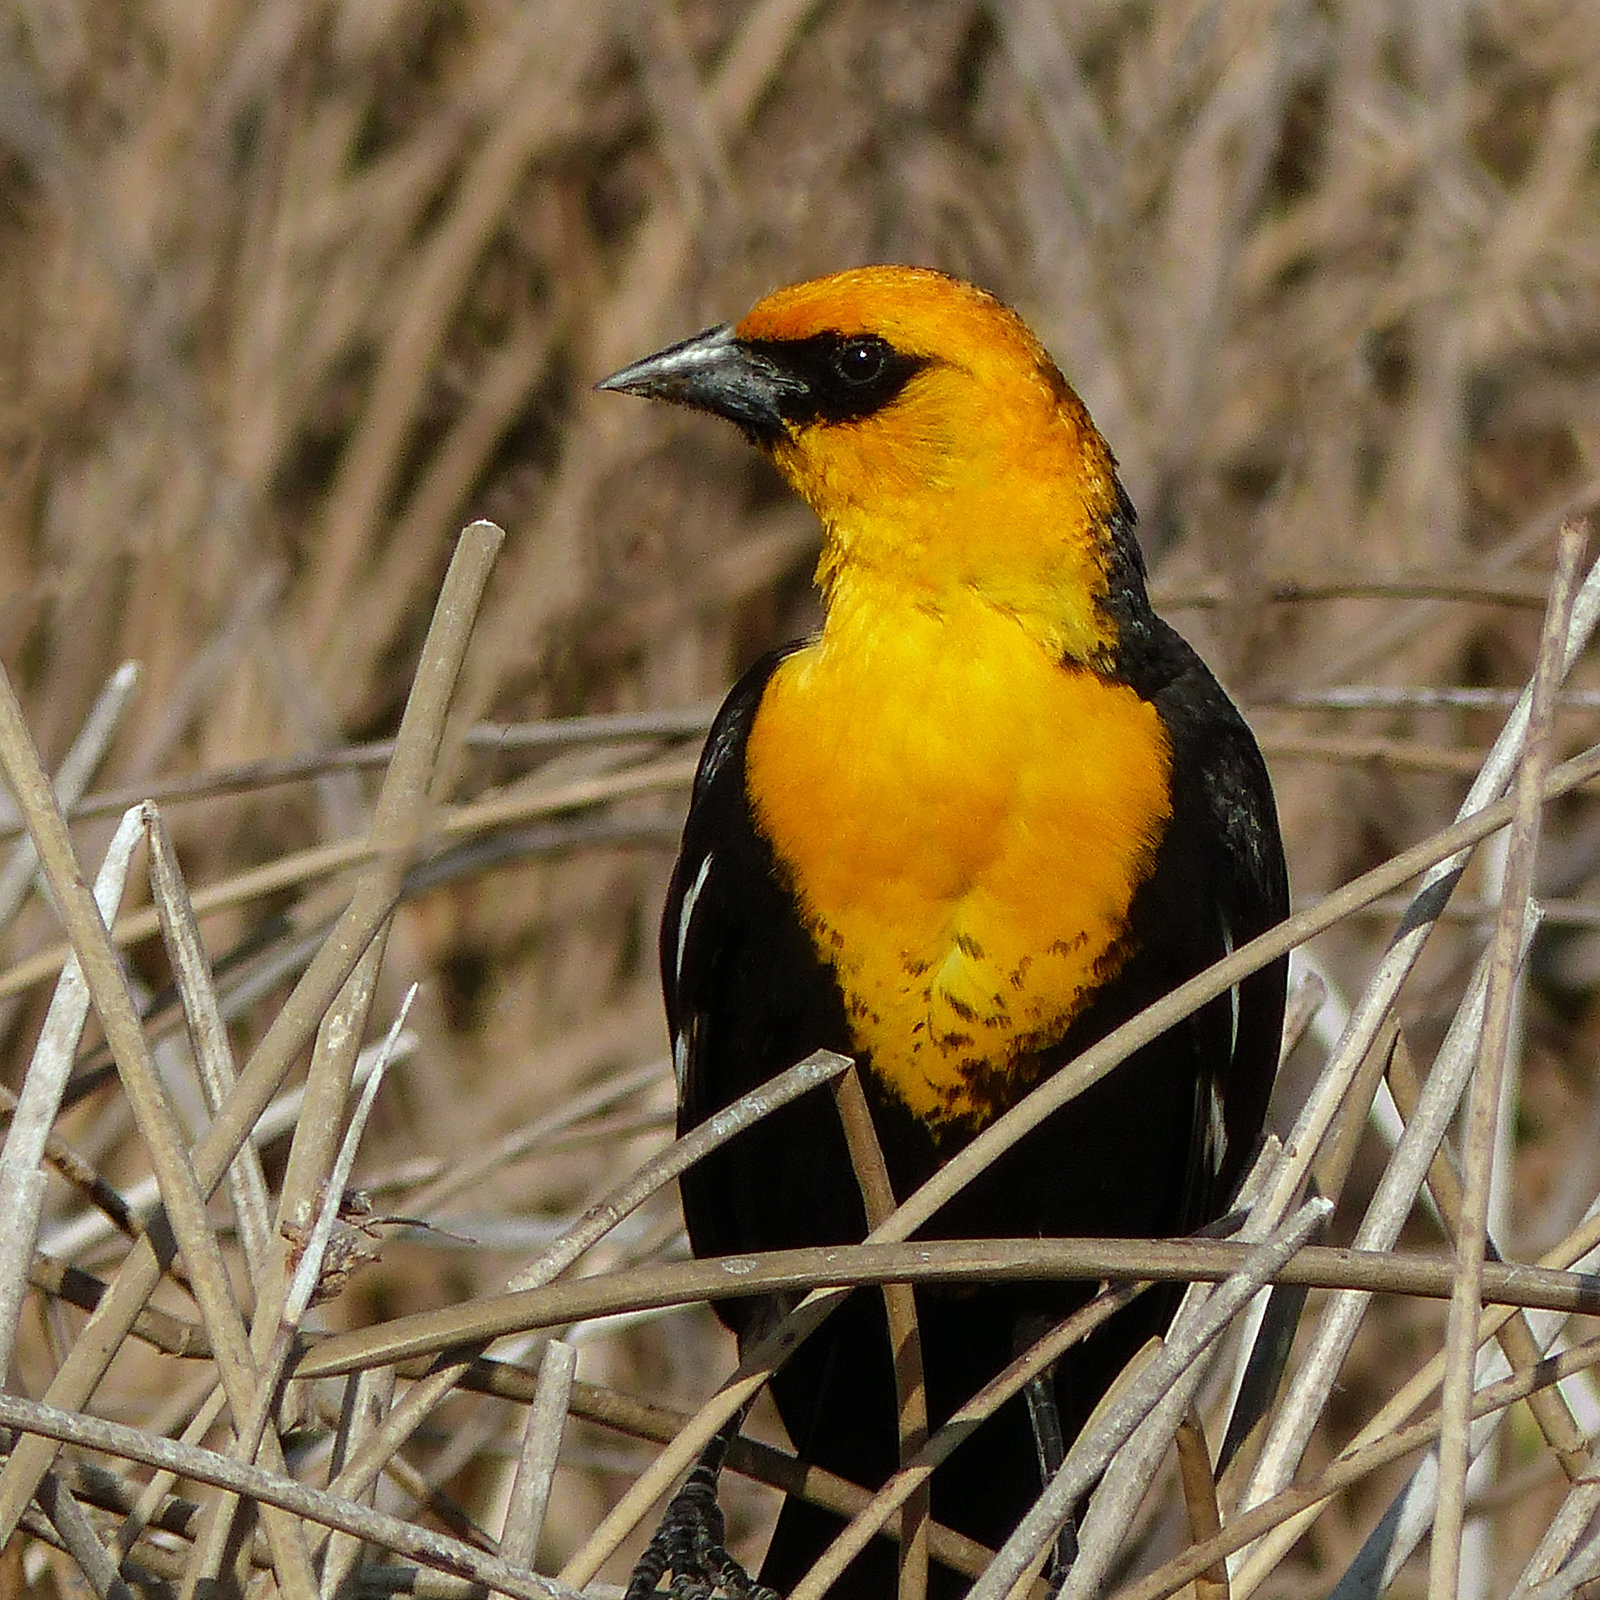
x=22 y=1178
x=72 y=778
x=183 y=1192
x=276 y=1489
x=601 y=1294
x=1327 y=278
x=368 y=908
x=1165 y=1385
x=367 y=1396
x=1483 y=1104
x=363 y=1466
x=900 y=1312
x=208 y=1035
x=541 y=1449
x=1055 y=1091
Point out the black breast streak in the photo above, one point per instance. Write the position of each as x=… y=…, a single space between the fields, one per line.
x=960 y=1007
x=987 y=1090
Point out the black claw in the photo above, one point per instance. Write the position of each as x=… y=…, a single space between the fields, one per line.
x=689 y=1545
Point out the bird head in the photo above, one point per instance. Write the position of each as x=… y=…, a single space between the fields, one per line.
x=930 y=431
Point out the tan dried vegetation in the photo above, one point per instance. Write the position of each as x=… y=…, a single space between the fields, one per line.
x=290 y=292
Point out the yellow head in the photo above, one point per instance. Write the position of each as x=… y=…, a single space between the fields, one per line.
x=931 y=432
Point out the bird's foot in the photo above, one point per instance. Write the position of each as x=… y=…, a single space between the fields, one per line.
x=1045 y=1416
x=1061 y=1558
x=688 y=1552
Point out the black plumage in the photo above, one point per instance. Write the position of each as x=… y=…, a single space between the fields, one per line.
x=1143 y=1153
x=1047 y=763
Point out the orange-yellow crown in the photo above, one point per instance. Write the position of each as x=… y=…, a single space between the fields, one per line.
x=984 y=473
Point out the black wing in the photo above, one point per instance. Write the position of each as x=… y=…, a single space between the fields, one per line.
x=1226 y=876
x=746 y=997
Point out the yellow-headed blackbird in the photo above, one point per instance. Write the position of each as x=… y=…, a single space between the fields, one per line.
x=993 y=809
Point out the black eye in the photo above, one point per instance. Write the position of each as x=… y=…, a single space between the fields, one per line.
x=861 y=360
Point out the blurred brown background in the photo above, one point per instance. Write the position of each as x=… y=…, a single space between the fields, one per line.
x=291 y=290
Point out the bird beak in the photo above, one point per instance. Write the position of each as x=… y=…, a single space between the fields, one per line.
x=714 y=372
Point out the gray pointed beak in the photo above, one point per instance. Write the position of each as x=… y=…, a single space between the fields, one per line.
x=714 y=372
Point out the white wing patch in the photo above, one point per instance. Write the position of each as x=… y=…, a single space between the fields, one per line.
x=1216 y=1130
x=682 y=1039
x=686 y=911
x=680 y=1059
x=1216 y=1113
x=1233 y=993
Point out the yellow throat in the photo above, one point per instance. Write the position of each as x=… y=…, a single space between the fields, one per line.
x=964 y=821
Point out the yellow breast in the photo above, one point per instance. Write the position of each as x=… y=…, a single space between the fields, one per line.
x=964 y=822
